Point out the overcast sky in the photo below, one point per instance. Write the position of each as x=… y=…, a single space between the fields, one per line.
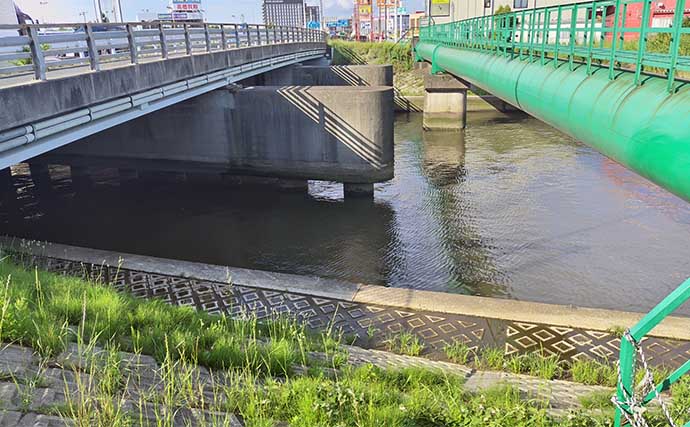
x=216 y=10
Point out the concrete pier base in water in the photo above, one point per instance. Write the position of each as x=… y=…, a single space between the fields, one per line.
x=8 y=194
x=81 y=178
x=40 y=175
x=294 y=185
x=445 y=103
x=358 y=190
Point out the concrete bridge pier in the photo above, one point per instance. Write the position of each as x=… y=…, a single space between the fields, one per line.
x=8 y=194
x=40 y=175
x=445 y=103
x=351 y=189
x=81 y=178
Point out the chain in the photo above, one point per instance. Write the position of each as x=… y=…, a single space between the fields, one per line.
x=634 y=414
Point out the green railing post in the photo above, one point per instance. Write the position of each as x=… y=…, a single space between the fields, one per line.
x=614 y=40
x=558 y=36
x=573 y=38
x=628 y=355
x=642 y=44
x=590 y=42
x=675 y=45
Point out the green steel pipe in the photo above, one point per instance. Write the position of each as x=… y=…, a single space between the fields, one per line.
x=643 y=127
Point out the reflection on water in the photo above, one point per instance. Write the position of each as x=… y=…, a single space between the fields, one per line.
x=510 y=207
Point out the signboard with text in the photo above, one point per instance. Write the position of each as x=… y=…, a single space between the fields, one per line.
x=439 y=8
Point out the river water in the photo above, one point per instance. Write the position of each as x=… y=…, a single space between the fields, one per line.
x=509 y=208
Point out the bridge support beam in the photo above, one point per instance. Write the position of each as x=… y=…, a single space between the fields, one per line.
x=330 y=133
x=445 y=102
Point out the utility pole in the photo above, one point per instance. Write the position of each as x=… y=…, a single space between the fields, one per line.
x=97 y=10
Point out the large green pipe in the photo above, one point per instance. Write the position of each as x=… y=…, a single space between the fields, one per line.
x=643 y=127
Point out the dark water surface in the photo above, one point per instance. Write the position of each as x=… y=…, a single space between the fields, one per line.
x=509 y=208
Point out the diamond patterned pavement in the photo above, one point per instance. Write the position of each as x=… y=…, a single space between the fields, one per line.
x=369 y=326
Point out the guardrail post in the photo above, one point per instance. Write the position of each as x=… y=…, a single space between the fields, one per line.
x=207 y=35
x=164 y=43
x=237 y=36
x=132 y=42
x=187 y=39
x=91 y=47
x=223 y=38
x=249 y=36
x=268 y=38
x=37 y=58
x=258 y=35
x=675 y=45
x=275 y=35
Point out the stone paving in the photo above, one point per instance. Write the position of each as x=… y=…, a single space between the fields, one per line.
x=371 y=326
x=36 y=392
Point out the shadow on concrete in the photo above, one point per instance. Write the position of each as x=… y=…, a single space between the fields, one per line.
x=362 y=146
x=352 y=79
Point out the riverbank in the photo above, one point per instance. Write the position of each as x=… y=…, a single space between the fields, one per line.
x=92 y=356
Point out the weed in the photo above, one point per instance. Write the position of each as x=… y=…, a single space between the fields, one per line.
x=405 y=343
x=458 y=352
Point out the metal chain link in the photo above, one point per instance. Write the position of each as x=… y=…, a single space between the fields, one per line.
x=630 y=400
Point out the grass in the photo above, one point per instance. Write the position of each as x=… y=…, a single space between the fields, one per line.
x=459 y=352
x=252 y=367
x=405 y=343
x=591 y=372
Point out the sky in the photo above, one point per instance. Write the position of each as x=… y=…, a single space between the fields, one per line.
x=216 y=10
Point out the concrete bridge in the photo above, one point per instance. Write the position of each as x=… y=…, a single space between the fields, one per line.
x=213 y=98
x=627 y=100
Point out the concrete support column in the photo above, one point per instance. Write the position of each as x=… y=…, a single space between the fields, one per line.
x=8 y=193
x=358 y=190
x=81 y=178
x=294 y=185
x=40 y=175
x=200 y=178
x=445 y=103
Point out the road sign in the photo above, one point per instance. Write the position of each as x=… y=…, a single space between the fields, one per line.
x=439 y=8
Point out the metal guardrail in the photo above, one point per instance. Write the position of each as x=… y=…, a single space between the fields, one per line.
x=629 y=408
x=593 y=33
x=38 y=49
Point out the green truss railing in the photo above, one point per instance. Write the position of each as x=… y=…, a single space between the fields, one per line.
x=630 y=348
x=595 y=34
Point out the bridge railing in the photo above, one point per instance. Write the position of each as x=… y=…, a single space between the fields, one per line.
x=596 y=34
x=38 y=49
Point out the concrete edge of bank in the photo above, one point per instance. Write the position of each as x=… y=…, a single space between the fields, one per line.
x=494 y=308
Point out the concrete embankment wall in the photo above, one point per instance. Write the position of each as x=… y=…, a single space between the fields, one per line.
x=330 y=133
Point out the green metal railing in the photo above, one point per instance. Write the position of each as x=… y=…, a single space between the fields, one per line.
x=631 y=353
x=595 y=34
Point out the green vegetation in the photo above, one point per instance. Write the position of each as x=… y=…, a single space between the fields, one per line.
x=257 y=368
x=358 y=53
x=405 y=343
x=591 y=372
x=458 y=352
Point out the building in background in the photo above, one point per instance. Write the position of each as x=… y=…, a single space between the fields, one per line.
x=313 y=14
x=286 y=13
